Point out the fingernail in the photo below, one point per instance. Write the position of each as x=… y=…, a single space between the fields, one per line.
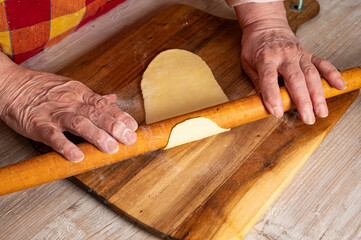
x=131 y=123
x=112 y=145
x=343 y=84
x=77 y=155
x=130 y=137
x=278 y=111
x=322 y=111
x=309 y=117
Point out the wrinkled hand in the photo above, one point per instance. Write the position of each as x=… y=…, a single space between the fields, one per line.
x=270 y=49
x=271 y=52
x=41 y=106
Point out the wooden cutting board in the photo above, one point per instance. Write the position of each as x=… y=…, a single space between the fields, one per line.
x=216 y=188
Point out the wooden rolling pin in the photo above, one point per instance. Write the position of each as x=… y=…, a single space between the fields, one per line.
x=52 y=166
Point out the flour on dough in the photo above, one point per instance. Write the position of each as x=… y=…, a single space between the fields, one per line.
x=177 y=82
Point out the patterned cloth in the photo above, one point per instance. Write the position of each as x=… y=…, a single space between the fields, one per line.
x=28 y=26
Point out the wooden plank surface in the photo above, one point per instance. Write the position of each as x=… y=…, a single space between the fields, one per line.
x=333 y=165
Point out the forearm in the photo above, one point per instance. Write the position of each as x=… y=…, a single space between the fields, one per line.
x=6 y=69
x=8 y=75
x=260 y=16
x=234 y=3
x=5 y=62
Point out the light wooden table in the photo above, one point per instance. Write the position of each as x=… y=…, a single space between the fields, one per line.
x=322 y=202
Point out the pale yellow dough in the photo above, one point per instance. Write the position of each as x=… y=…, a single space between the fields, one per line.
x=192 y=130
x=177 y=82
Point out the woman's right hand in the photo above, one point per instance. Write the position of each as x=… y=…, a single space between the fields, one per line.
x=41 y=106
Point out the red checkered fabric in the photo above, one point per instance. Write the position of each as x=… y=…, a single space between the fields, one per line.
x=27 y=27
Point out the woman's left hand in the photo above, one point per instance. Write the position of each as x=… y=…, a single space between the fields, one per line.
x=270 y=49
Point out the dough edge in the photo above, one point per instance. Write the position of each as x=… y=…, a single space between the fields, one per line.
x=192 y=130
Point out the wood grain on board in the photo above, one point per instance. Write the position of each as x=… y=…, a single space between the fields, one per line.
x=217 y=187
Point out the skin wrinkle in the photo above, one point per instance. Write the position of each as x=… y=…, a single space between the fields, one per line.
x=238 y=2
x=272 y=43
x=39 y=91
x=260 y=25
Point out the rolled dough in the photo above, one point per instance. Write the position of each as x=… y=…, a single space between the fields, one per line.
x=177 y=82
x=192 y=130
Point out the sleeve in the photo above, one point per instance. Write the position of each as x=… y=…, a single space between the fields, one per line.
x=233 y=3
